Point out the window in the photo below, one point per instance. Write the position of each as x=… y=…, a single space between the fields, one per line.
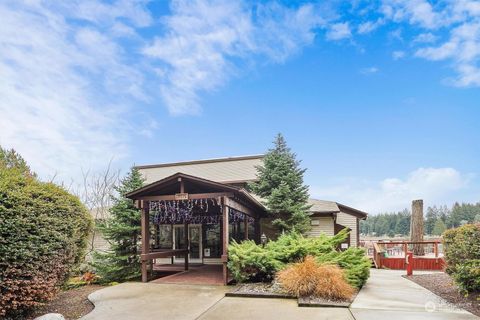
x=165 y=236
x=213 y=240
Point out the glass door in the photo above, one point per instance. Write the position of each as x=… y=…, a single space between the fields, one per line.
x=194 y=239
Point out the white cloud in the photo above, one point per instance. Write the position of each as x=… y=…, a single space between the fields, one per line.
x=434 y=185
x=418 y=12
x=339 y=31
x=369 y=70
x=202 y=41
x=426 y=37
x=369 y=26
x=463 y=47
x=460 y=18
x=396 y=55
x=58 y=88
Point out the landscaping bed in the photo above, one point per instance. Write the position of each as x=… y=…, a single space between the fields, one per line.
x=259 y=290
x=72 y=304
x=275 y=290
x=442 y=285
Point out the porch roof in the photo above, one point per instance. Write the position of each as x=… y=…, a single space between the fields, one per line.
x=193 y=185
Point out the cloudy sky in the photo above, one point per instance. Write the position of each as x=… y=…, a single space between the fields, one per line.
x=379 y=99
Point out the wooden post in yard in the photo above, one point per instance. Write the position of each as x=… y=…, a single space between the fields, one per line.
x=145 y=237
x=225 y=239
x=416 y=227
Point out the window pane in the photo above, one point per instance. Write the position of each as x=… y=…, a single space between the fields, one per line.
x=165 y=236
x=213 y=240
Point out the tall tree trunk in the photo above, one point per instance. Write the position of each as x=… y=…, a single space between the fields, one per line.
x=416 y=227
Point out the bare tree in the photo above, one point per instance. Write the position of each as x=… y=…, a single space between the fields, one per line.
x=96 y=194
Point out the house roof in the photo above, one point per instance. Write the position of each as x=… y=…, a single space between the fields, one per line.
x=223 y=170
x=327 y=207
x=165 y=185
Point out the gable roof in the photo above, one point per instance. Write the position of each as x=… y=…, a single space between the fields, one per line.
x=223 y=170
x=167 y=183
x=328 y=207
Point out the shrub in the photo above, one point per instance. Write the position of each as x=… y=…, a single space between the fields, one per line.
x=310 y=278
x=462 y=255
x=292 y=247
x=251 y=262
x=353 y=261
x=43 y=234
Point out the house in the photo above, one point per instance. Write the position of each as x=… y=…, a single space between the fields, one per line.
x=194 y=209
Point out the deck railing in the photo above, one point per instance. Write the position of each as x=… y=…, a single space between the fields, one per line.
x=391 y=254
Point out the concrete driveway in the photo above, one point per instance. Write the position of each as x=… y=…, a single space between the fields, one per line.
x=387 y=295
x=175 y=301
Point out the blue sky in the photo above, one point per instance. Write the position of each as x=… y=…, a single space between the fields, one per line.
x=379 y=99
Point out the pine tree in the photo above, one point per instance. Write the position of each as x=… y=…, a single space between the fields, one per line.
x=122 y=230
x=280 y=183
x=430 y=218
x=439 y=228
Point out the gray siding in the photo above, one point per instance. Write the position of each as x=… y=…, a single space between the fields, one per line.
x=349 y=221
x=325 y=226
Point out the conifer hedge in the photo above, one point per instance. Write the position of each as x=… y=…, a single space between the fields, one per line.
x=249 y=262
x=462 y=255
x=43 y=234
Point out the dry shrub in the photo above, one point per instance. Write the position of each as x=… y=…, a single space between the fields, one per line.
x=332 y=284
x=310 y=278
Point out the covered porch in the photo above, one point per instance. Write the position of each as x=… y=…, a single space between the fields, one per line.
x=189 y=220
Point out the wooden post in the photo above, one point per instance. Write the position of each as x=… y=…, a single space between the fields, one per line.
x=435 y=249
x=416 y=227
x=187 y=244
x=225 y=239
x=145 y=237
x=245 y=226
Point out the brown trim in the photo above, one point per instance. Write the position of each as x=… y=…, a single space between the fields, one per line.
x=181 y=163
x=323 y=214
x=354 y=212
x=190 y=196
x=145 y=238
x=225 y=238
x=133 y=194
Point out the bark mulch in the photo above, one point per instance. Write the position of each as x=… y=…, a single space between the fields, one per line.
x=442 y=285
x=72 y=304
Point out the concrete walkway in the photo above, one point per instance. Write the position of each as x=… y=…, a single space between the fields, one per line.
x=387 y=295
x=176 y=301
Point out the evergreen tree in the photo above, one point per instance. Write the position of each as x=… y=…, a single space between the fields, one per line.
x=439 y=228
x=280 y=183
x=122 y=230
x=430 y=218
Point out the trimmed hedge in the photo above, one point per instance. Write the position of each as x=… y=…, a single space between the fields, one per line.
x=462 y=255
x=43 y=234
x=251 y=262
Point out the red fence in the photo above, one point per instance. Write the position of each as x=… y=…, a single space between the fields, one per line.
x=431 y=261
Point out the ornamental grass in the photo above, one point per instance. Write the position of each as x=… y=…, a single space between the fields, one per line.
x=309 y=278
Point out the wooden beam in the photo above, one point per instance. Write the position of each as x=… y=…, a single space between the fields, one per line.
x=187 y=244
x=234 y=204
x=182 y=185
x=162 y=254
x=225 y=203
x=245 y=226
x=145 y=238
x=190 y=196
